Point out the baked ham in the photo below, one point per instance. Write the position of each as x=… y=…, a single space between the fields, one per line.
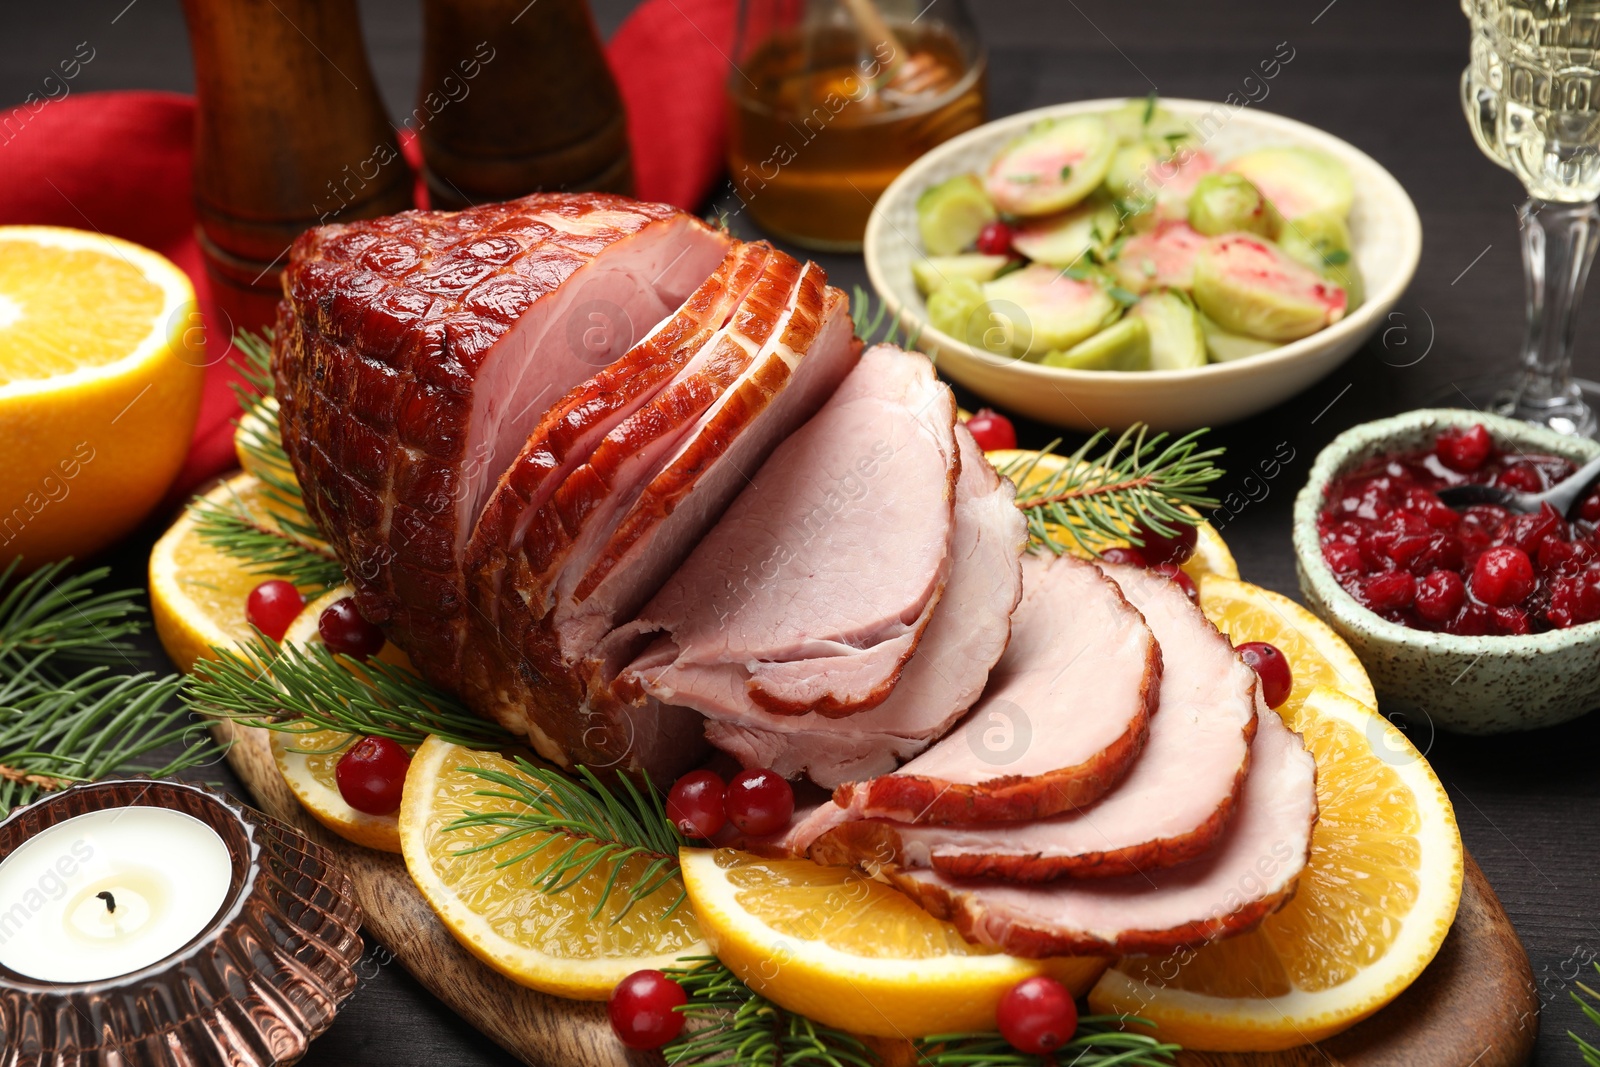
x=1173 y=805
x=414 y=353
x=1064 y=716
x=785 y=605
x=965 y=637
x=1248 y=875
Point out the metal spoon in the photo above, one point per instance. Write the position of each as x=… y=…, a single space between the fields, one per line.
x=1564 y=496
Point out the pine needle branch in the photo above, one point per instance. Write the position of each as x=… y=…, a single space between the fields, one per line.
x=259 y=437
x=875 y=325
x=53 y=614
x=1138 y=481
x=264 y=548
x=1591 y=1011
x=573 y=827
x=1101 y=1041
x=301 y=689
x=730 y=1025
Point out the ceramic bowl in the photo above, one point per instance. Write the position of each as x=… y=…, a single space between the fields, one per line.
x=1384 y=230
x=1474 y=685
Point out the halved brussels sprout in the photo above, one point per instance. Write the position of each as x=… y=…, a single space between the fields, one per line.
x=1158 y=258
x=950 y=214
x=1124 y=345
x=1146 y=120
x=953 y=305
x=1228 y=203
x=1248 y=285
x=1299 y=181
x=1176 y=339
x=1062 y=240
x=1042 y=309
x=1223 y=346
x=932 y=273
x=1051 y=167
x=1322 y=242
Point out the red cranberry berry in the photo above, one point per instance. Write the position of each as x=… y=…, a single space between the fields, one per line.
x=1590 y=511
x=344 y=631
x=1159 y=548
x=1128 y=555
x=695 y=804
x=758 y=802
x=1440 y=595
x=992 y=430
x=1272 y=667
x=1390 y=592
x=1185 y=582
x=1503 y=576
x=1464 y=451
x=371 y=775
x=1522 y=477
x=641 y=1009
x=1037 y=1015
x=995 y=239
x=272 y=606
x=1343 y=557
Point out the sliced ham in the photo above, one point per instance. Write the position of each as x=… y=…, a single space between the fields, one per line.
x=1172 y=807
x=964 y=639
x=1249 y=874
x=786 y=605
x=1064 y=716
x=414 y=354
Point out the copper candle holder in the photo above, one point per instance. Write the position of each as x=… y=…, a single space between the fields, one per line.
x=266 y=975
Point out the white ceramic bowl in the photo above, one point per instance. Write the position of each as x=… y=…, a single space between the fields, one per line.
x=1384 y=229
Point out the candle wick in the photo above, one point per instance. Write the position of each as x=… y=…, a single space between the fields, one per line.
x=111 y=901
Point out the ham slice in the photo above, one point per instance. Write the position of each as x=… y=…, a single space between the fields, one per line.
x=1064 y=716
x=1173 y=805
x=785 y=605
x=414 y=354
x=1248 y=875
x=967 y=634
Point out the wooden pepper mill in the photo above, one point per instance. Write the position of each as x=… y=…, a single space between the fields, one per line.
x=516 y=97
x=291 y=132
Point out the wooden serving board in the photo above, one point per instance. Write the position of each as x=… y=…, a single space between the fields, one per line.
x=1475 y=1004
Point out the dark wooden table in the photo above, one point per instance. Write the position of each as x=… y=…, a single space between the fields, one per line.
x=1378 y=73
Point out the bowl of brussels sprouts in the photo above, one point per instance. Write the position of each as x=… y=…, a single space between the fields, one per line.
x=1176 y=262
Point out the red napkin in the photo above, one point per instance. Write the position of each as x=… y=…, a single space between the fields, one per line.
x=120 y=163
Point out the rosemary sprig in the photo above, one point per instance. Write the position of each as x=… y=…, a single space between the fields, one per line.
x=874 y=325
x=730 y=1024
x=1591 y=1011
x=1139 y=480
x=301 y=689
x=1101 y=1041
x=580 y=825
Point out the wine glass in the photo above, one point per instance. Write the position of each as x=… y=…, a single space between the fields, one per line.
x=1532 y=97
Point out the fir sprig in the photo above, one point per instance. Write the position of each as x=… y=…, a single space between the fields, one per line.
x=875 y=325
x=730 y=1024
x=1139 y=481
x=52 y=614
x=580 y=825
x=301 y=689
x=1101 y=1041
x=1591 y=1010
x=262 y=548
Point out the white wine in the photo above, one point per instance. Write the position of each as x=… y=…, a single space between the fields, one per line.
x=1532 y=92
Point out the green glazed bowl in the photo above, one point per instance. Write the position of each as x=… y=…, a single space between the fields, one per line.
x=1472 y=685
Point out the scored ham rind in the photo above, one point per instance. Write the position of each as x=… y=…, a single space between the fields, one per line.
x=966 y=635
x=1064 y=716
x=414 y=353
x=786 y=605
x=1248 y=875
x=1172 y=807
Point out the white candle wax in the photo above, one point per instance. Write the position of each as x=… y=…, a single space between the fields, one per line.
x=109 y=892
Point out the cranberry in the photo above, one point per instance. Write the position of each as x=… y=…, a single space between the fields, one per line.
x=1159 y=548
x=1503 y=576
x=992 y=430
x=1464 y=450
x=1344 y=558
x=1521 y=477
x=1390 y=592
x=344 y=631
x=272 y=606
x=1440 y=595
x=1184 y=582
x=1511 y=620
x=1037 y=1015
x=1272 y=666
x=371 y=775
x=758 y=802
x=695 y=804
x=1590 y=509
x=642 y=1009
x=1129 y=555
x=995 y=239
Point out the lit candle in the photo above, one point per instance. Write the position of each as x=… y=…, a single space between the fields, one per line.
x=109 y=892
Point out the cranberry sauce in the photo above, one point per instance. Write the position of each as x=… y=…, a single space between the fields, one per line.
x=1405 y=554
